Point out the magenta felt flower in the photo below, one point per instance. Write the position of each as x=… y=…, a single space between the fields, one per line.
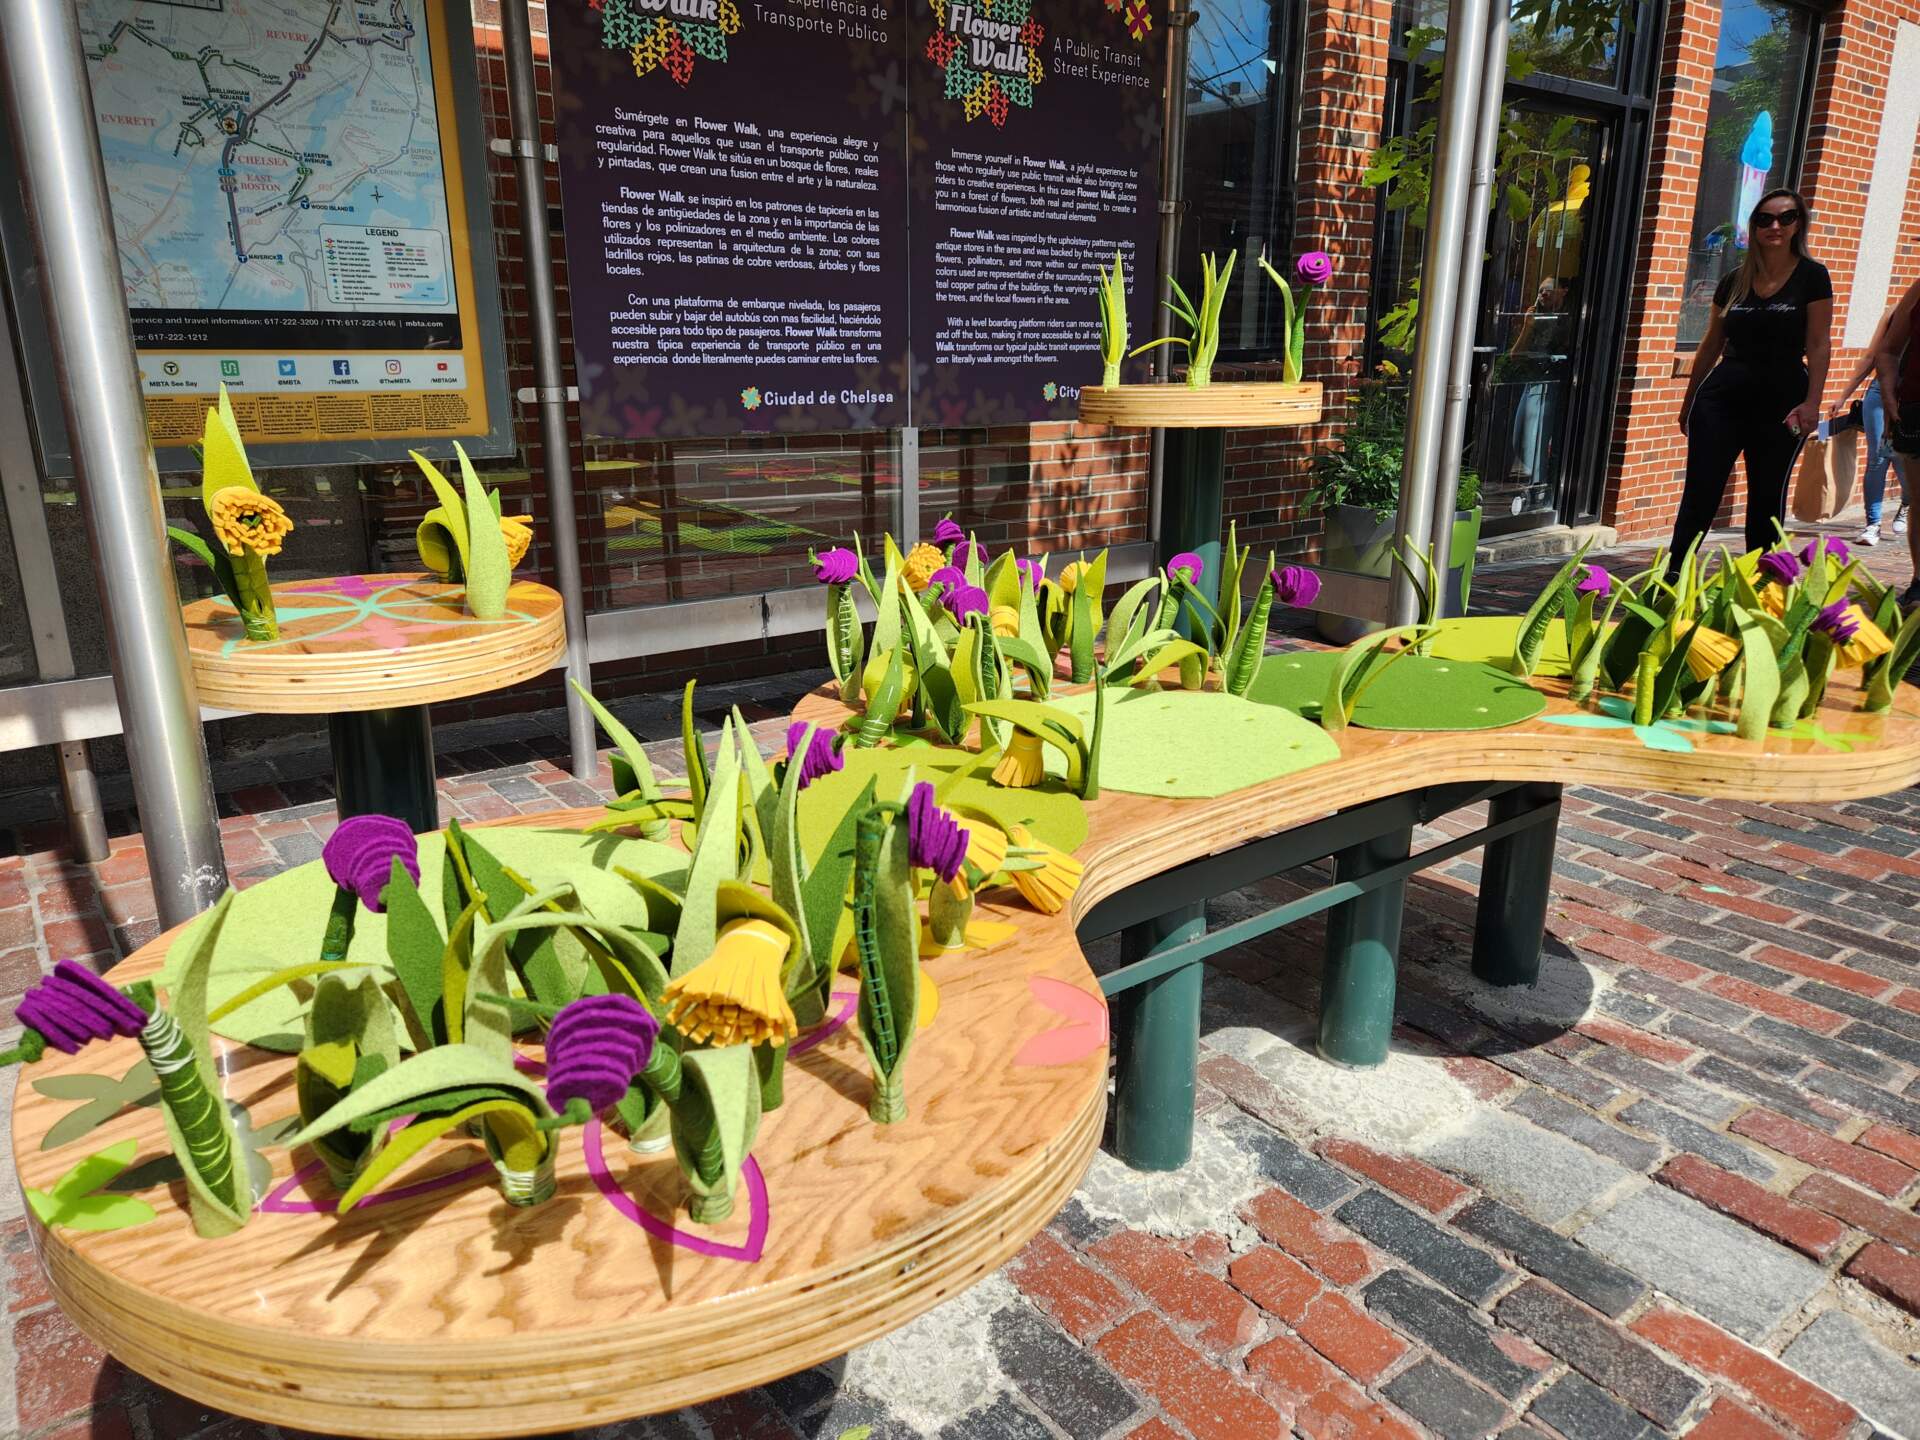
x=360 y=855
x=946 y=532
x=946 y=577
x=822 y=757
x=935 y=840
x=1831 y=544
x=1780 y=567
x=1835 y=623
x=965 y=600
x=1315 y=267
x=595 y=1047
x=1186 y=566
x=836 y=566
x=966 y=550
x=73 y=1006
x=1594 y=581
x=1034 y=570
x=1295 y=585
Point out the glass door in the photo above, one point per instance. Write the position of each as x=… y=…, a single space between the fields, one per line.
x=1532 y=357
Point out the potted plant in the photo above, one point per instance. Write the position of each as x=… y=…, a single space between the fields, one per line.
x=1356 y=490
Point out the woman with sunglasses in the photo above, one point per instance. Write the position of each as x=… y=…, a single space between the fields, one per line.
x=1758 y=375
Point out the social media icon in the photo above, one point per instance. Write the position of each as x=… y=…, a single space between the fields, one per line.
x=393 y=367
x=171 y=367
x=440 y=365
x=343 y=367
x=230 y=368
x=286 y=367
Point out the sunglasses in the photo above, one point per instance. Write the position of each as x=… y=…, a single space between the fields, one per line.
x=1767 y=219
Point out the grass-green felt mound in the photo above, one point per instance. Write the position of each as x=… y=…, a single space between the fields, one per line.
x=1194 y=744
x=1489 y=640
x=1414 y=692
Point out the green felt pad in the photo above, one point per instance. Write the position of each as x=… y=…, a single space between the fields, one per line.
x=1194 y=744
x=279 y=922
x=1489 y=640
x=1053 y=813
x=1415 y=692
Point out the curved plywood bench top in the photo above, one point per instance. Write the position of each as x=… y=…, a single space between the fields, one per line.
x=362 y=642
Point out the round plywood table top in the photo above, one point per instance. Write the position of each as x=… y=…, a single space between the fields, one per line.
x=371 y=642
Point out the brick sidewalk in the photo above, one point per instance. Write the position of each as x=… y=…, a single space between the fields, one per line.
x=1669 y=1191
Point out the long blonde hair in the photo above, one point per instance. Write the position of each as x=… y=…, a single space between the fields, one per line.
x=1749 y=270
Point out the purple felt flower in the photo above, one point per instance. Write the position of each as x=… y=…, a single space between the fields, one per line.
x=822 y=757
x=1831 y=544
x=964 y=600
x=1315 y=267
x=1835 y=623
x=946 y=532
x=1295 y=585
x=73 y=1006
x=935 y=840
x=1594 y=581
x=836 y=566
x=1186 y=566
x=360 y=855
x=966 y=550
x=1780 y=567
x=595 y=1047
x=947 y=577
x=1034 y=570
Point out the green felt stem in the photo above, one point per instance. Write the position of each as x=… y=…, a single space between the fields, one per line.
x=255 y=597
x=339 y=933
x=877 y=1020
x=947 y=916
x=31 y=1047
x=889 y=1102
x=1110 y=374
x=710 y=1209
x=1646 y=677
x=770 y=1062
x=1090 y=764
x=663 y=1074
x=195 y=1109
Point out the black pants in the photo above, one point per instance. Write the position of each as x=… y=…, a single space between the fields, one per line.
x=1730 y=419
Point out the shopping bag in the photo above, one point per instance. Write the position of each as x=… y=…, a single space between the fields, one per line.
x=1824 y=482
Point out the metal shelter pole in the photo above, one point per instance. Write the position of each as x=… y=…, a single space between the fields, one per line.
x=1440 y=267
x=64 y=184
x=1173 y=149
x=1466 y=325
x=550 y=386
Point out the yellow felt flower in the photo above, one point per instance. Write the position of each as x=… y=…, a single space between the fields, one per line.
x=986 y=851
x=1773 y=600
x=517 y=531
x=1024 y=763
x=1070 y=577
x=246 y=520
x=1869 y=641
x=1047 y=888
x=1005 y=621
x=1710 y=653
x=921 y=562
x=734 y=996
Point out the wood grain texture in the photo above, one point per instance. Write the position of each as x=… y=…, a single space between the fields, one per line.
x=452 y=1315
x=361 y=642
x=1179 y=407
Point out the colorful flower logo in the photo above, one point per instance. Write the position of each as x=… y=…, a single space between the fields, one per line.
x=989 y=52
x=658 y=42
x=750 y=397
x=1050 y=391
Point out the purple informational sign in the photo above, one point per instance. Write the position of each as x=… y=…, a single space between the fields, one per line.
x=732 y=180
x=1036 y=155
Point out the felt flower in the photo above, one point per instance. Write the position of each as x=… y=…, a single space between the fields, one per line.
x=986 y=846
x=517 y=531
x=1024 y=763
x=73 y=1006
x=1829 y=544
x=836 y=566
x=595 y=1047
x=1836 y=623
x=947 y=532
x=822 y=756
x=1033 y=571
x=1779 y=567
x=1070 y=576
x=359 y=855
x=245 y=520
x=1005 y=621
x=922 y=561
x=1594 y=581
x=935 y=840
x=946 y=577
x=1186 y=566
x=734 y=996
x=1710 y=652
x=1295 y=585
x=965 y=600
x=1047 y=888
x=1869 y=641
x=966 y=551
x=1315 y=267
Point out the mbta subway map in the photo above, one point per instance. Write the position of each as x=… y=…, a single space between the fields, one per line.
x=269 y=159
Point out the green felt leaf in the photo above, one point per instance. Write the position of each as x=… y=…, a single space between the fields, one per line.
x=441 y=1102
x=887 y=603
x=96 y=1170
x=104 y=1097
x=1126 y=609
x=1003 y=582
x=632 y=771
x=215 y=558
x=788 y=864
x=1540 y=615
x=717 y=1118
x=455 y=517
x=1349 y=671
x=1622 y=655
x=1080 y=633
x=416 y=947
x=223 y=457
x=897 y=935
x=73 y=1203
x=218 y=1208
x=884 y=703
x=829 y=866
x=411 y=1141
x=1174 y=652
x=693 y=752
x=551 y=966
x=488 y=573
x=275 y=981
x=445 y=1067
x=1793 y=691
x=762 y=795
x=1673 y=673
x=715 y=858
x=456 y=961
x=1233 y=566
x=1250 y=645
x=1182 y=743
x=662 y=903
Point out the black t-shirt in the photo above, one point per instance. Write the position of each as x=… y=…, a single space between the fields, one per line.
x=1767 y=336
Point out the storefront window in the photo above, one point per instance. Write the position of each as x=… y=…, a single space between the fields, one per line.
x=1238 y=178
x=1756 y=120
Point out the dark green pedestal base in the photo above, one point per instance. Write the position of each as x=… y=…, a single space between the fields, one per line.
x=1191 y=497
x=383 y=765
x=1157 y=1039
x=1362 y=954
x=1511 y=921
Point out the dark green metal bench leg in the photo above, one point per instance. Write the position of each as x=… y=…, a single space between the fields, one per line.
x=383 y=765
x=1157 y=1045
x=1363 y=949
x=1516 y=873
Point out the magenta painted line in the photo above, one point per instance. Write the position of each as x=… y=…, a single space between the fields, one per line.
x=1065 y=1044
x=277 y=1202
x=841 y=1015
x=527 y=1065
x=756 y=1239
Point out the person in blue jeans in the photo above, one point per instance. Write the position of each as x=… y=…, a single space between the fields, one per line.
x=1880 y=454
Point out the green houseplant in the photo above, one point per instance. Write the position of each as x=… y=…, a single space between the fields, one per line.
x=1356 y=491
